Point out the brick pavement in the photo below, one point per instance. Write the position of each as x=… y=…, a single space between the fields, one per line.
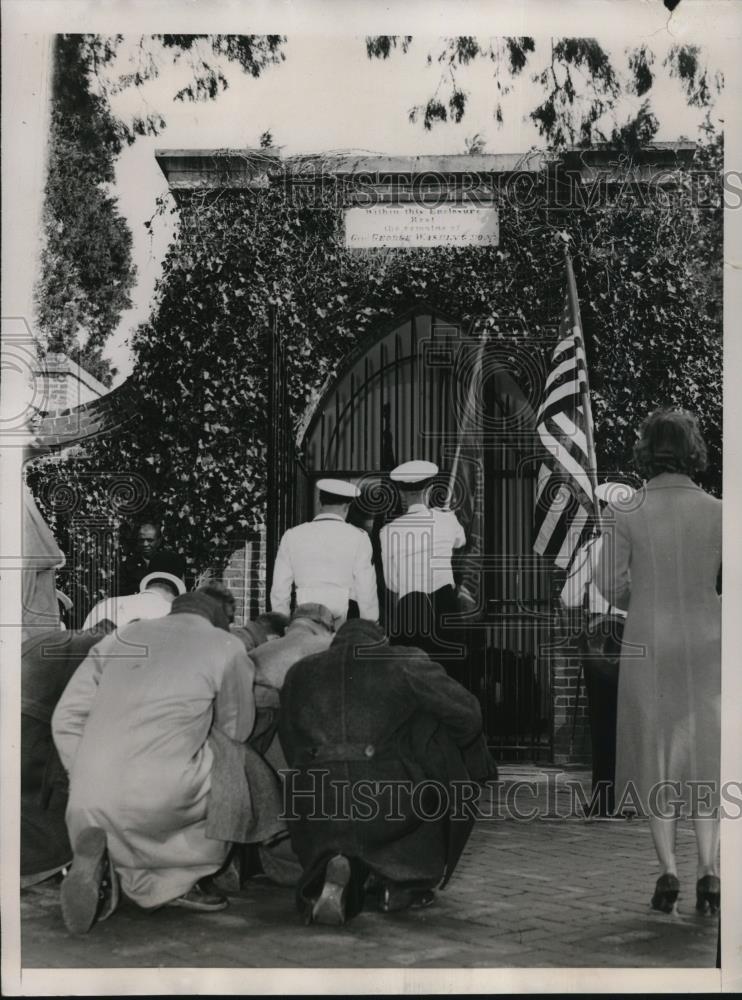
x=559 y=892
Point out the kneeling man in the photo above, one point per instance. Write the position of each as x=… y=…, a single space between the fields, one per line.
x=131 y=729
x=385 y=749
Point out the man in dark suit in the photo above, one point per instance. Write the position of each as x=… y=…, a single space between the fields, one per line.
x=148 y=557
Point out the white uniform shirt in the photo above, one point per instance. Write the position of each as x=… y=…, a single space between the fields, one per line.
x=416 y=549
x=121 y=610
x=581 y=575
x=329 y=562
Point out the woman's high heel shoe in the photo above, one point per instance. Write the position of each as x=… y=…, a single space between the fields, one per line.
x=665 y=893
x=708 y=894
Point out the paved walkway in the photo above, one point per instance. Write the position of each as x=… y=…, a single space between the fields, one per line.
x=552 y=892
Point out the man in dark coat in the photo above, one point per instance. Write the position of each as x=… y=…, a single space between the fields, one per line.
x=385 y=749
x=48 y=661
x=148 y=557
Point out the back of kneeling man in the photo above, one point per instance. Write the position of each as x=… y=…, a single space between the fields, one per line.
x=131 y=729
x=385 y=749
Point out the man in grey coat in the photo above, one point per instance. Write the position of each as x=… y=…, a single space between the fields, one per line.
x=309 y=631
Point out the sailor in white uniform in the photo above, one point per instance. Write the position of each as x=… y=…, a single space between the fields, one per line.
x=327 y=560
x=416 y=551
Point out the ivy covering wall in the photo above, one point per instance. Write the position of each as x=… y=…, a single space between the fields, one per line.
x=648 y=269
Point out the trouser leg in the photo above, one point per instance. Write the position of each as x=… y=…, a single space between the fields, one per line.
x=600 y=665
x=449 y=637
x=601 y=683
x=412 y=623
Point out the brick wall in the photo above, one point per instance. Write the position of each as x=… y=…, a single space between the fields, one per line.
x=59 y=383
x=244 y=574
x=571 y=734
x=73 y=425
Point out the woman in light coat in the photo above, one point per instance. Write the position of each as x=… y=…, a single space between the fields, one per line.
x=661 y=560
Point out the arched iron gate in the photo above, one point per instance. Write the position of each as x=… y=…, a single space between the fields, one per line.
x=393 y=399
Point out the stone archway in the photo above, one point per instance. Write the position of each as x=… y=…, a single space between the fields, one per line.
x=74 y=426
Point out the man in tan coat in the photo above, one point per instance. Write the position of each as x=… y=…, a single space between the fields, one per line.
x=131 y=729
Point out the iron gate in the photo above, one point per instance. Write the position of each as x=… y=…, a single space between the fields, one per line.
x=393 y=399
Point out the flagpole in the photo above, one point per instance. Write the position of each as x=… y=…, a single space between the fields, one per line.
x=585 y=392
x=470 y=407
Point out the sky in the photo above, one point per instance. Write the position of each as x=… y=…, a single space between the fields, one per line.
x=328 y=96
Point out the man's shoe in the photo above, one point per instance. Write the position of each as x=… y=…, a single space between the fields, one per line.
x=201 y=900
x=394 y=898
x=81 y=893
x=329 y=907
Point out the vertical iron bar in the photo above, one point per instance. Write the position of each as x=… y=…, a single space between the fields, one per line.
x=271 y=525
x=337 y=435
x=397 y=439
x=413 y=367
x=365 y=458
x=353 y=447
x=383 y=393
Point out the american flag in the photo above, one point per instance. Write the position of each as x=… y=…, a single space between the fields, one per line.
x=565 y=502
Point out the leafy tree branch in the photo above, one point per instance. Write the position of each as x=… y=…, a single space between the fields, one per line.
x=583 y=87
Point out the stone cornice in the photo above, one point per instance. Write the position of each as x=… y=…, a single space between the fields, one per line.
x=190 y=170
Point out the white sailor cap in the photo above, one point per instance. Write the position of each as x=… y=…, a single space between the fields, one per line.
x=617 y=493
x=414 y=472
x=339 y=488
x=159 y=574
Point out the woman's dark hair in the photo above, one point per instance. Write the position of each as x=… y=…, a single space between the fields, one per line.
x=670 y=441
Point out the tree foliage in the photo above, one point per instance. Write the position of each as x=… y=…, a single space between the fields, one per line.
x=86 y=266
x=87 y=271
x=582 y=87
x=203 y=58
x=648 y=272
